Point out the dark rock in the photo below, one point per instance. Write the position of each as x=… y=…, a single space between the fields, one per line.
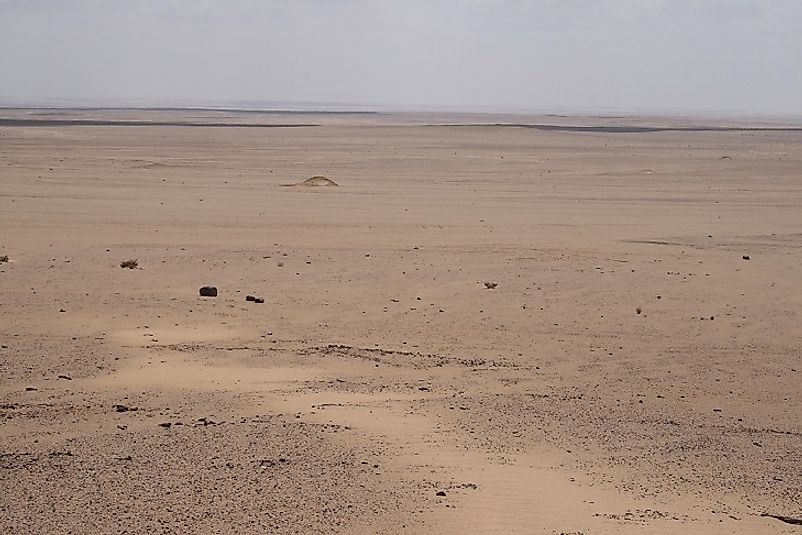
x=166 y=425
x=205 y=421
x=440 y=493
x=208 y=291
x=124 y=408
x=67 y=377
x=786 y=519
x=254 y=299
x=746 y=257
x=31 y=389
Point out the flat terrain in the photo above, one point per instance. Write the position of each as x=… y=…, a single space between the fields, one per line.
x=483 y=328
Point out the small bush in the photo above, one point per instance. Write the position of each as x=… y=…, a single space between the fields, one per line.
x=130 y=264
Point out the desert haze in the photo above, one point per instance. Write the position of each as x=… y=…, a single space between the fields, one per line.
x=470 y=323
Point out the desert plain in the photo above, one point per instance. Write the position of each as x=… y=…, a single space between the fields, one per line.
x=492 y=324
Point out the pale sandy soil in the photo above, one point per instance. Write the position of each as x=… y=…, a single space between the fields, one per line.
x=380 y=371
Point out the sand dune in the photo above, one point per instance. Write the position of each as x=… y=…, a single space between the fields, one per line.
x=314 y=182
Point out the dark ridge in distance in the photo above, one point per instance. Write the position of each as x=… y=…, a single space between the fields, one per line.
x=257 y=111
x=630 y=129
x=111 y=122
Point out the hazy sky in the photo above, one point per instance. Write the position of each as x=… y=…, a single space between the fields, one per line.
x=714 y=55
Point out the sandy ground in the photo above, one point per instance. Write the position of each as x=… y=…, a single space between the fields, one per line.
x=635 y=369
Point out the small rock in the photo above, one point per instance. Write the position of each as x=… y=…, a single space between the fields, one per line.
x=208 y=291
x=31 y=389
x=124 y=408
x=67 y=377
x=254 y=299
x=166 y=425
x=440 y=493
x=205 y=421
x=786 y=519
x=491 y=285
x=746 y=257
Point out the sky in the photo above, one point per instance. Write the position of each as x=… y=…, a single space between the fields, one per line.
x=741 y=56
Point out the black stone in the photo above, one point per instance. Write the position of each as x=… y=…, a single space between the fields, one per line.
x=208 y=291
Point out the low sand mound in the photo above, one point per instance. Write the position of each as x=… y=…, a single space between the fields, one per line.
x=314 y=182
